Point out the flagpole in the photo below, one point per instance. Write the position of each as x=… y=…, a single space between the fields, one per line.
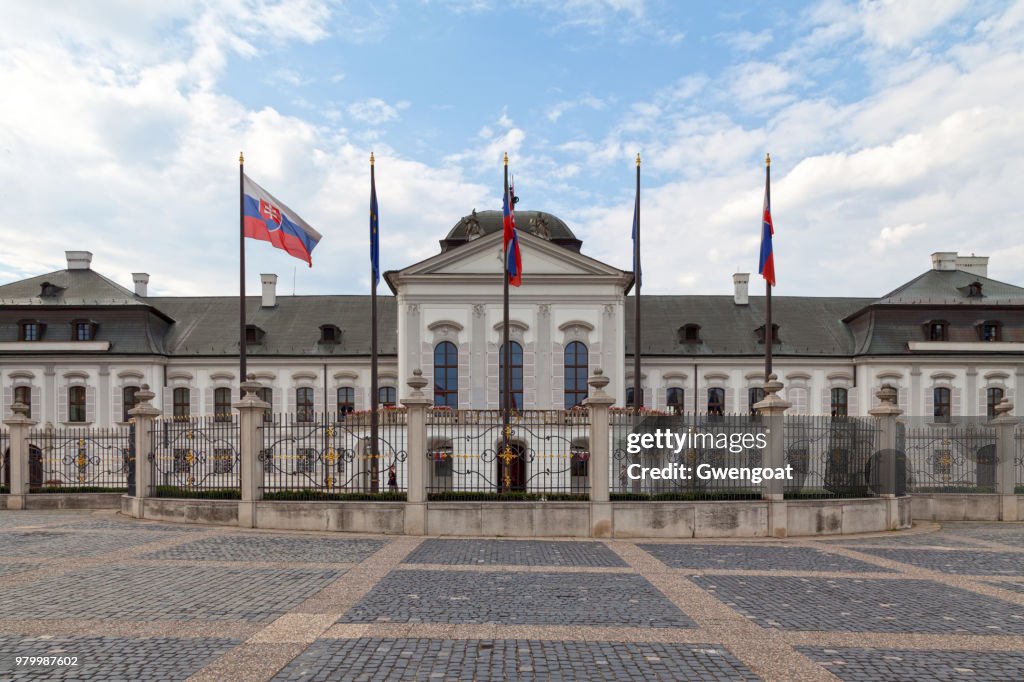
x=241 y=269
x=638 y=398
x=374 y=415
x=507 y=346
x=767 y=284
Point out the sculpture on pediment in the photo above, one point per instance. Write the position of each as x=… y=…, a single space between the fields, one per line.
x=540 y=226
x=472 y=225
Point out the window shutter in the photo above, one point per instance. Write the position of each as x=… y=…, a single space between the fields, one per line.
x=62 y=404
x=957 y=409
x=983 y=401
x=168 y=400
x=117 y=404
x=211 y=405
x=730 y=400
x=332 y=401
x=8 y=401
x=360 y=398
x=318 y=400
x=853 y=406
x=275 y=400
x=929 y=403
x=91 y=414
x=903 y=395
x=826 y=401
x=193 y=402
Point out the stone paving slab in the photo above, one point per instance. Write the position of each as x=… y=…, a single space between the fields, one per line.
x=937 y=540
x=15 y=519
x=149 y=593
x=980 y=562
x=11 y=569
x=516 y=598
x=756 y=557
x=898 y=665
x=1009 y=585
x=272 y=548
x=49 y=543
x=130 y=525
x=864 y=605
x=514 y=553
x=110 y=658
x=523 y=659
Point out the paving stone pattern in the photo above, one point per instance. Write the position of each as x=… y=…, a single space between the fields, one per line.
x=149 y=593
x=474 y=659
x=110 y=658
x=410 y=596
x=514 y=553
x=854 y=664
x=978 y=562
x=67 y=543
x=757 y=557
x=272 y=548
x=10 y=569
x=864 y=605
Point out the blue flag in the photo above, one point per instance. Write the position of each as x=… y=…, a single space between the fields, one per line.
x=374 y=232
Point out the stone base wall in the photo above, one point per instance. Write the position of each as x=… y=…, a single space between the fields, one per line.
x=967 y=507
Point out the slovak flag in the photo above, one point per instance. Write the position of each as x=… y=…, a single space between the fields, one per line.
x=514 y=264
x=766 y=268
x=266 y=218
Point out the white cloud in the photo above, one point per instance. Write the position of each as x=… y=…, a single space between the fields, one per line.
x=746 y=41
x=898 y=23
x=892 y=237
x=376 y=111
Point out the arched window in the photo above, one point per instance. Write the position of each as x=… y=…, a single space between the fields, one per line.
x=304 y=404
x=674 y=400
x=517 y=376
x=387 y=396
x=346 y=400
x=716 y=401
x=182 y=402
x=128 y=401
x=76 y=404
x=942 y=404
x=840 y=402
x=222 y=404
x=576 y=369
x=266 y=394
x=446 y=375
x=23 y=395
x=994 y=397
x=754 y=396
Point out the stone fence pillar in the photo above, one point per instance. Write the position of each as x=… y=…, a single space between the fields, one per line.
x=18 y=425
x=600 y=458
x=144 y=414
x=416 y=464
x=772 y=409
x=884 y=472
x=250 y=419
x=1006 y=452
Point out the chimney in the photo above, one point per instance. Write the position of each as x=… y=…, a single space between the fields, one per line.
x=141 y=280
x=78 y=260
x=976 y=265
x=739 y=282
x=269 y=290
x=944 y=260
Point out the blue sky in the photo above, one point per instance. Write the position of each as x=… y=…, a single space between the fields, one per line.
x=894 y=126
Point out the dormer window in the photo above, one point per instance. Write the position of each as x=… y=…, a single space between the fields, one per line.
x=47 y=290
x=330 y=333
x=938 y=330
x=31 y=330
x=775 y=334
x=689 y=333
x=974 y=290
x=83 y=330
x=253 y=334
x=990 y=331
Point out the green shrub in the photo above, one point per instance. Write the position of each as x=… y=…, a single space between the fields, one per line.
x=185 y=493
x=515 y=496
x=317 y=496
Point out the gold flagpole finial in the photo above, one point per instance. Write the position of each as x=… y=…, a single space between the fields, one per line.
x=506 y=158
x=241 y=158
x=767 y=159
x=638 y=158
x=371 y=158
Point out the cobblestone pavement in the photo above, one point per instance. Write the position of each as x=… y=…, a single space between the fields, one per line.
x=132 y=600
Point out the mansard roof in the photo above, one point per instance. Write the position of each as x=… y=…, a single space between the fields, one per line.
x=69 y=288
x=950 y=287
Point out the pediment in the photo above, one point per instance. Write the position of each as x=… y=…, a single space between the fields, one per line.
x=483 y=257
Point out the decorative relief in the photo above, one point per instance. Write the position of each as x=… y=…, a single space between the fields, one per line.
x=609 y=309
x=413 y=308
x=544 y=310
x=479 y=310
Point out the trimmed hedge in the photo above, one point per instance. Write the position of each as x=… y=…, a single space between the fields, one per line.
x=315 y=496
x=956 y=489
x=471 y=496
x=185 y=493
x=683 y=497
x=78 y=489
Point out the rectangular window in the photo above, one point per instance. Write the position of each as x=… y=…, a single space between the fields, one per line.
x=304 y=404
x=182 y=402
x=346 y=400
x=267 y=395
x=76 y=404
x=83 y=331
x=129 y=401
x=994 y=397
x=23 y=395
x=839 y=402
x=30 y=331
x=943 y=409
x=386 y=396
x=989 y=332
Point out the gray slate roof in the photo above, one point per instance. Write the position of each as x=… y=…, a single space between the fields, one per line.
x=208 y=325
x=941 y=287
x=807 y=325
x=78 y=287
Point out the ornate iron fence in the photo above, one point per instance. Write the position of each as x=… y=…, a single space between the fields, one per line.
x=1018 y=462
x=5 y=462
x=84 y=459
x=959 y=457
x=195 y=457
x=830 y=456
x=332 y=457
x=548 y=455
x=714 y=442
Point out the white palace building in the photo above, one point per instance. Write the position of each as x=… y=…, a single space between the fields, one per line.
x=76 y=347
